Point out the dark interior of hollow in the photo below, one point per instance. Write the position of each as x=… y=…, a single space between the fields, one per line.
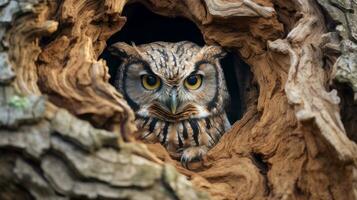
x=348 y=109
x=144 y=26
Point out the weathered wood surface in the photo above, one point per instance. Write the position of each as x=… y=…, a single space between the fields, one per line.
x=46 y=152
x=290 y=144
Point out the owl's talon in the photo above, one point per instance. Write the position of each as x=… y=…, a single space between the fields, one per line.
x=193 y=154
x=184 y=163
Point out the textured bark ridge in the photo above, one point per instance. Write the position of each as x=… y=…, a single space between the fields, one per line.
x=343 y=20
x=290 y=144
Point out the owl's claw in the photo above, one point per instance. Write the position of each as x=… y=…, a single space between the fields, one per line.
x=192 y=154
x=184 y=162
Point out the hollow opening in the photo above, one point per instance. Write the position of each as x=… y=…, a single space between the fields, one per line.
x=144 y=26
x=348 y=109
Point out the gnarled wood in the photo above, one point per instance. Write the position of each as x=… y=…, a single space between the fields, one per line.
x=290 y=143
x=240 y=8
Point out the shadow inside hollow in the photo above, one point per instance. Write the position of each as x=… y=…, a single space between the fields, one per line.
x=144 y=26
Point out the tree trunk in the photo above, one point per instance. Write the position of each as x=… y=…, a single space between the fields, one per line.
x=67 y=133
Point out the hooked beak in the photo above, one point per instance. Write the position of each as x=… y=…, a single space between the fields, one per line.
x=173 y=101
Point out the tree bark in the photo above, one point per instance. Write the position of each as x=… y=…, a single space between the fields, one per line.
x=66 y=132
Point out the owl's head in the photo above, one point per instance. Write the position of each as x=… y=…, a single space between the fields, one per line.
x=171 y=81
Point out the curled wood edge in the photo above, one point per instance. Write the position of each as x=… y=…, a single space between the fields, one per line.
x=302 y=47
x=294 y=48
x=343 y=13
x=46 y=128
x=243 y=8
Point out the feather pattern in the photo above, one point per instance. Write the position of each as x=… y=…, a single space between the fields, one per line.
x=199 y=121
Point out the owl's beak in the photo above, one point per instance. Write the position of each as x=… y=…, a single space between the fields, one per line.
x=173 y=101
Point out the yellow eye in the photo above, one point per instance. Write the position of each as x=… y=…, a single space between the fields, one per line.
x=150 y=82
x=193 y=82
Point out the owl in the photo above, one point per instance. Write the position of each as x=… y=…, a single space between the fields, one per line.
x=178 y=93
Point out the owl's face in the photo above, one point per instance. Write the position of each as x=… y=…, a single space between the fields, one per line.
x=172 y=81
x=178 y=93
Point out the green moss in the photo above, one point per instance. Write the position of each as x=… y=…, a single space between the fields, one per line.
x=18 y=102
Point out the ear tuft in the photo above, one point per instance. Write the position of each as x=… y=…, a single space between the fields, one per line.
x=213 y=52
x=123 y=50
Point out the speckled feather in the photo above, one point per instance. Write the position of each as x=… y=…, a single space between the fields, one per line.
x=200 y=120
